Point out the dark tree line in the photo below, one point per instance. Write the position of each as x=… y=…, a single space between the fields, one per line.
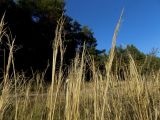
x=146 y=63
x=33 y=24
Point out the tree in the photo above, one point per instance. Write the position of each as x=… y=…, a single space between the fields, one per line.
x=33 y=23
x=144 y=63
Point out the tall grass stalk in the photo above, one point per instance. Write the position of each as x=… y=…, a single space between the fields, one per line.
x=57 y=43
x=109 y=63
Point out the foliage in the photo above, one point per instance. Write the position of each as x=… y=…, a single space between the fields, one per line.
x=146 y=63
x=33 y=23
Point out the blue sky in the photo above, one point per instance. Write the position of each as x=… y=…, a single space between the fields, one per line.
x=140 y=25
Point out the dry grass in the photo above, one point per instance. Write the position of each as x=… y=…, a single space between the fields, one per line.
x=104 y=98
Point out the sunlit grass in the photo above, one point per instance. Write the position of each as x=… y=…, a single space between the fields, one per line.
x=103 y=98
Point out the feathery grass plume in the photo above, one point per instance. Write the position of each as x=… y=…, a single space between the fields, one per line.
x=135 y=76
x=110 y=60
x=73 y=88
x=1 y=35
x=56 y=44
x=6 y=86
x=2 y=27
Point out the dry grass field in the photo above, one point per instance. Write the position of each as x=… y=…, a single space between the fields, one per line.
x=103 y=98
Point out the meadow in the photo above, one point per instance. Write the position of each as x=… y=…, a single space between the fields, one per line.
x=105 y=97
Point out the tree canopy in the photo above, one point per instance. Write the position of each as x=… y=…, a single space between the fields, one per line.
x=145 y=63
x=33 y=24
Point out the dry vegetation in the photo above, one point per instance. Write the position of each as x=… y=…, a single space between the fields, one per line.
x=104 y=98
